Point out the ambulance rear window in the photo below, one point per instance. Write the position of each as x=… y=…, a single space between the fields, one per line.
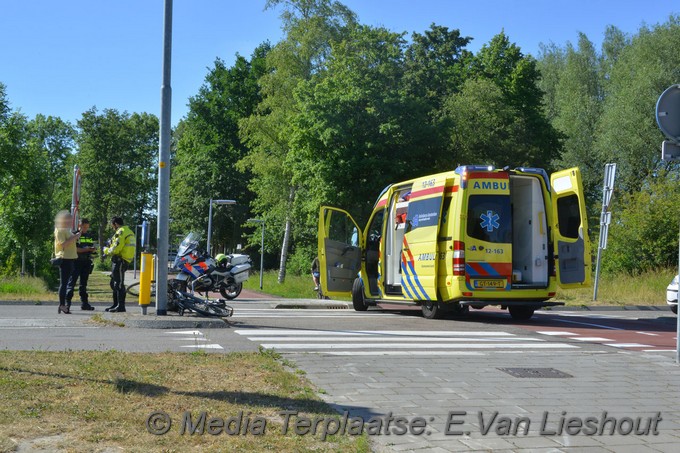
x=489 y=218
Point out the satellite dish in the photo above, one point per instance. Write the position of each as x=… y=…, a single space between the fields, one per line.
x=668 y=112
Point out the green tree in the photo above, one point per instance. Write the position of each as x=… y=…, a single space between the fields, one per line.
x=310 y=27
x=117 y=154
x=644 y=233
x=550 y=63
x=357 y=130
x=436 y=64
x=208 y=147
x=55 y=138
x=579 y=97
x=628 y=133
x=517 y=119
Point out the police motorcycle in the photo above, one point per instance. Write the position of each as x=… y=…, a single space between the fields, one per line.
x=199 y=272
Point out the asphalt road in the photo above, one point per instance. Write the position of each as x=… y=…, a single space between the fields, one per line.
x=389 y=361
x=649 y=331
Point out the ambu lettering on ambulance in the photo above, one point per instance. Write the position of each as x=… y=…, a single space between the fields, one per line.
x=488 y=185
x=426 y=257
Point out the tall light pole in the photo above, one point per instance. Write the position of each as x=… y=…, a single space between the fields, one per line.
x=262 y=222
x=164 y=168
x=210 y=218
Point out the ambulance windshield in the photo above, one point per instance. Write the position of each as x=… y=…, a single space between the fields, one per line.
x=489 y=218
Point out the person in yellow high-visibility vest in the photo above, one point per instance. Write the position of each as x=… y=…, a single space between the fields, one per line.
x=122 y=252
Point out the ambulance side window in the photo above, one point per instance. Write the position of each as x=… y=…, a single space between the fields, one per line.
x=568 y=216
x=341 y=229
x=375 y=230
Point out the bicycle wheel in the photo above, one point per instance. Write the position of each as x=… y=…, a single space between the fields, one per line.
x=133 y=289
x=203 y=307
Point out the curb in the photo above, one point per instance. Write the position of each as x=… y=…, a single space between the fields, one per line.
x=313 y=304
x=152 y=321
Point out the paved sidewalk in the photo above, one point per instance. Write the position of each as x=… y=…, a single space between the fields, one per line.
x=622 y=384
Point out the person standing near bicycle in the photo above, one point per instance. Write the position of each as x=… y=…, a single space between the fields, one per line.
x=122 y=252
x=82 y=266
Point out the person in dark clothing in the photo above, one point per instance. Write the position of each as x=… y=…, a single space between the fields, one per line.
x=122 y=251
x=82 y=266
x=316 y=274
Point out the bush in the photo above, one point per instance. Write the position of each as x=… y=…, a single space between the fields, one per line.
x=300 y=261
x=102 y=265
x=644 y=233
x=22 y=285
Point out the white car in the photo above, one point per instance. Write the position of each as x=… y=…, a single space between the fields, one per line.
x=672 y=295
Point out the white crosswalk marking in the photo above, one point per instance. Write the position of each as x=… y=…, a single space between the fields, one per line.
x=305 y=313
x=198 y=339
x=396 y=342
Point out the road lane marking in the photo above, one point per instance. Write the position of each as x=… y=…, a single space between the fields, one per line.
x=405 y=353
x=406 y=333
x=628 y=345
x=647 y=333
x=372 y=338
x=557 y=332
x=419 y=346
x=202 y=346
x=197 y=337
x=47 y=327
x=592 y=339
x=185 y=332
x=588 y=324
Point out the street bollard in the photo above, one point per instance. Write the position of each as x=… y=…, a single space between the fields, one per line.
x=145 y=274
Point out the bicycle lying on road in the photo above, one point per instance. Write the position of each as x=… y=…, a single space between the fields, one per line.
x=181 y=301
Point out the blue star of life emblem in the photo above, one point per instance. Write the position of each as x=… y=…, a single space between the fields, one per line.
x=490 y=221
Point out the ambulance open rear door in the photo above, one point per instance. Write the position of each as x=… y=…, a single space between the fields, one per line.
x=419 y=258
x=571 y=242
x=339 y=244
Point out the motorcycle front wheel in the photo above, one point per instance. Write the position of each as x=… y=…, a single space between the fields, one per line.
x=231 y=291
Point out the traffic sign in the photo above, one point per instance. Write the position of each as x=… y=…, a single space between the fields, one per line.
x=670 y=152
x=668 y=113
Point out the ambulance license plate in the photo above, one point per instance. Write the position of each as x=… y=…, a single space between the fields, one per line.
x=497 y=283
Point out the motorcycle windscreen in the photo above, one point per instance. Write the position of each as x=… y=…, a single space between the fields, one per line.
x=572 y=244
x=339 y=251
x=419 y=255
x=188 y=245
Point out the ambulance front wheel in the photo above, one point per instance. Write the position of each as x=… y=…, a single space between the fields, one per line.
x=358 y=299
x=521 y=313
x=431 y=309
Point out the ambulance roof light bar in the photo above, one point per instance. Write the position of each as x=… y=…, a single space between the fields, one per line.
x=468 y=168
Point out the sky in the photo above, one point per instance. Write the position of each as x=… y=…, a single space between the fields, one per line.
x=61 y=58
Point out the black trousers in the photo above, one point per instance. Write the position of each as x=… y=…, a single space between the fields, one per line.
x=81 y=272
x=65 y=271
x=118 y=269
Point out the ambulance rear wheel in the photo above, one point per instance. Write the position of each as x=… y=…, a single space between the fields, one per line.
x=358 y=299
x=521 y=313
x=431 y=310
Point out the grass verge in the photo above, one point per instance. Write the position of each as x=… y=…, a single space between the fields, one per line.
x=99 y=319
x=294 y=286
x=94 y=400
x=648 y=288
x=19 y=286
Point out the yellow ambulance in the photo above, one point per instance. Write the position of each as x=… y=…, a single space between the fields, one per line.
x=471 y=237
